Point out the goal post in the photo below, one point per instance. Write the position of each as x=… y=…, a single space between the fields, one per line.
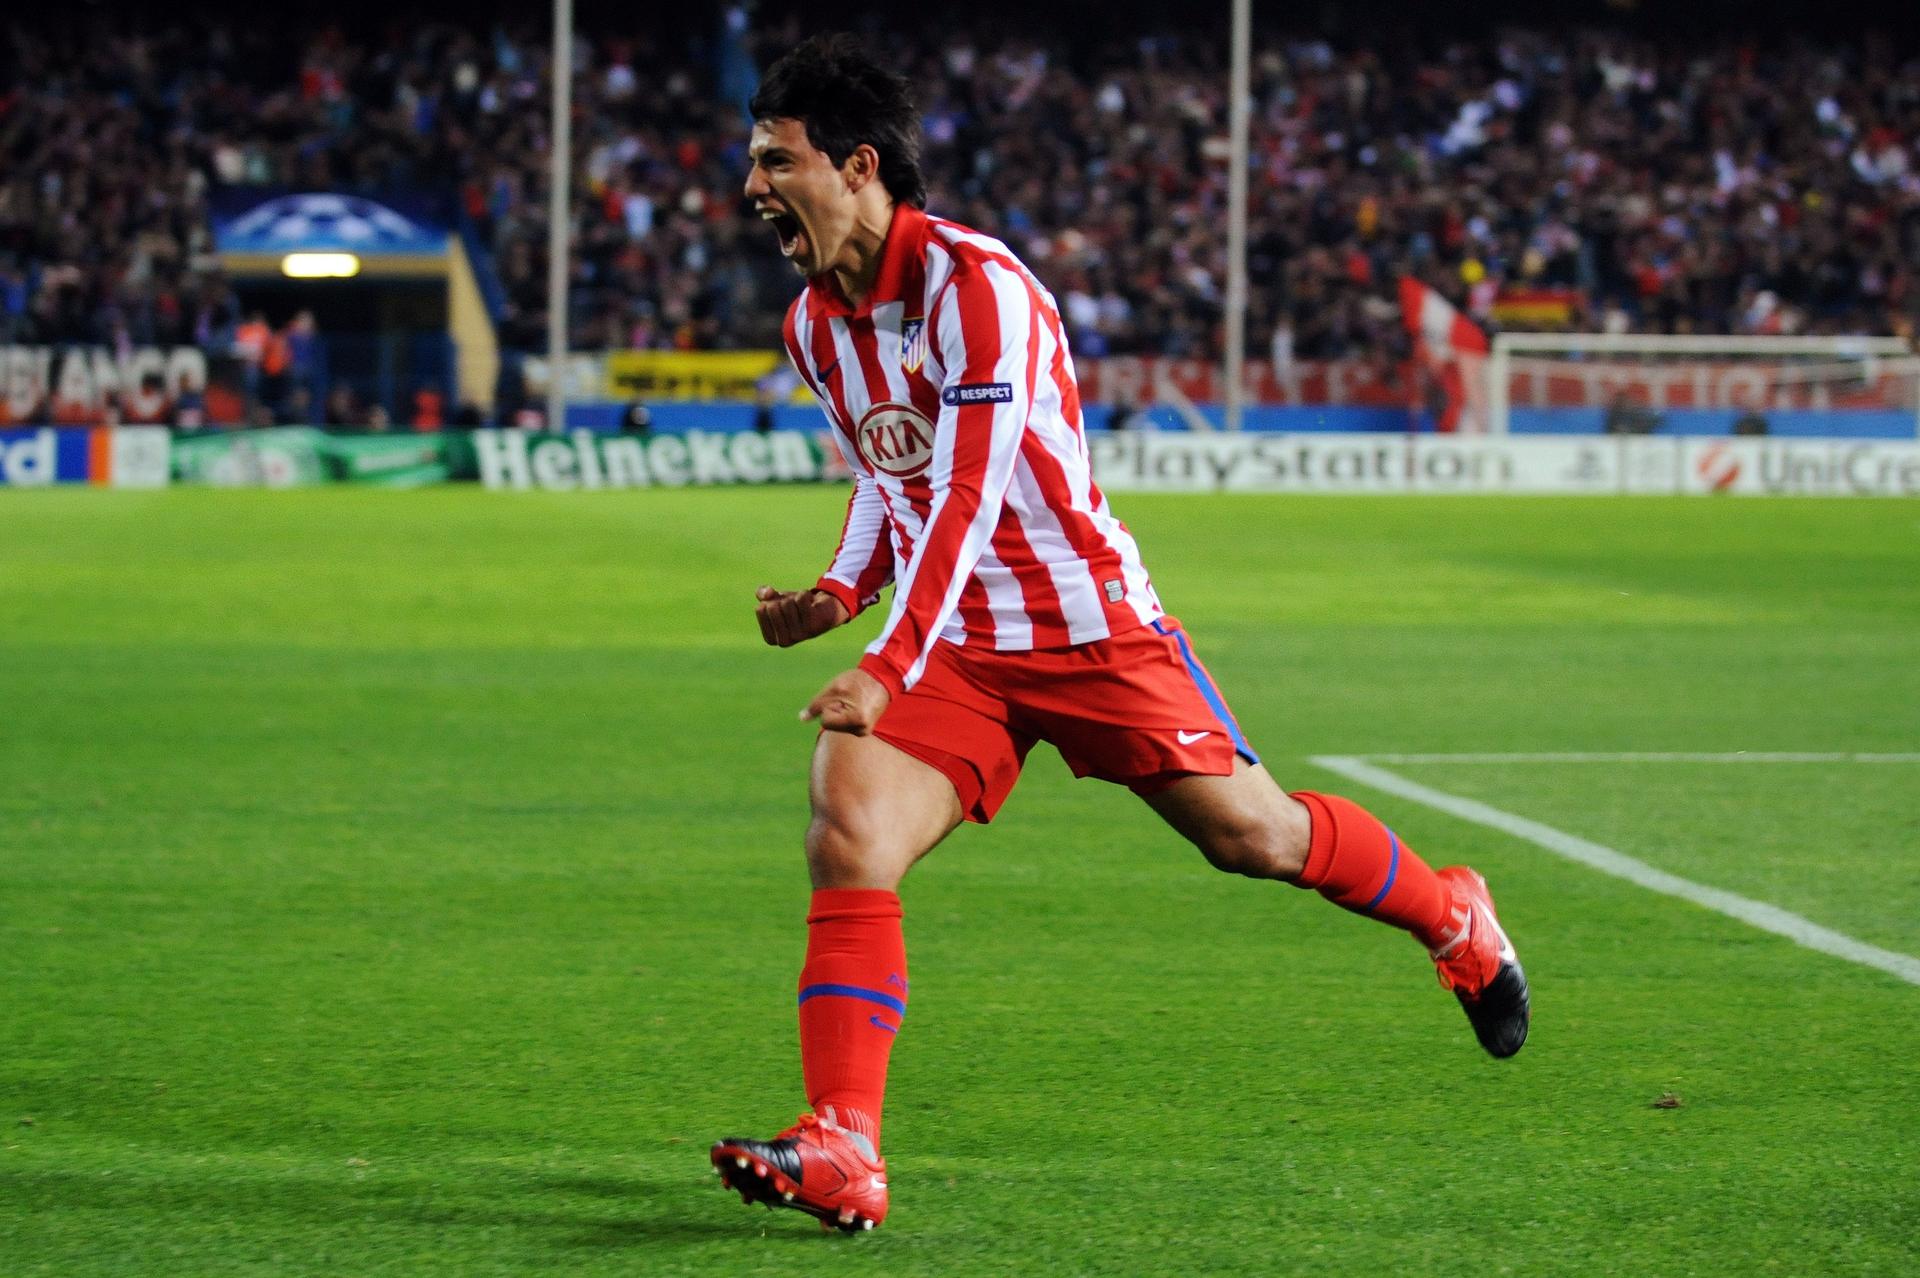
x=1701 y=384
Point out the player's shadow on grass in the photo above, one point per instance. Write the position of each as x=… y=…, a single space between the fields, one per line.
x=668 y=1202
x=625 y=1212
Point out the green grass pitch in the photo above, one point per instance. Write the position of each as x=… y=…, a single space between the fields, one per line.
x=409 y=883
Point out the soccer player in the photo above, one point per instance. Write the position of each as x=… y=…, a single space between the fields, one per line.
x=1020 y=613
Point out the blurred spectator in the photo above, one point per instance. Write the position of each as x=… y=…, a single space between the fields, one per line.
x=190 y=410
x=250 y=341
x=149 y=405
x=306 y=356
x=429 y=409
x=225 y=404
x=1627 y=416
x=276 y=366
x=343 y=411
x=1128 y=416
x=297 y=408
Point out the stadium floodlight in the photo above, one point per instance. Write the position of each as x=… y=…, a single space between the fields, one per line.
x=1703 y=384
x=320 y=266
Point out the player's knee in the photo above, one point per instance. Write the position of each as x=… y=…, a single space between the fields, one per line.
x=843 y=850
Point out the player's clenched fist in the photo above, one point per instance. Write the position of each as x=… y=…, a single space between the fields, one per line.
x=789 y=616
x=851 y=702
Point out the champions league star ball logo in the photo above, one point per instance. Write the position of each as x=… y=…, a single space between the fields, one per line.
x=332 y=221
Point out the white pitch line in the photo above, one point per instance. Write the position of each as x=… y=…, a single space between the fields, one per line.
x=1768 y=918
x=1633 y=756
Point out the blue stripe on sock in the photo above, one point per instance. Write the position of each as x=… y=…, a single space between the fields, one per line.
x=855 y=991
x=1393 y=868
x=1214 y=701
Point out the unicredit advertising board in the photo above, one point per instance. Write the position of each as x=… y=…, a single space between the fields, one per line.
x=119 y=456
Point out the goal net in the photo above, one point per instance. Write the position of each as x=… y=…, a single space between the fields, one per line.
x=1579 y=383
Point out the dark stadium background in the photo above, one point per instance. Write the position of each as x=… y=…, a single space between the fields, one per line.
x=381 y=344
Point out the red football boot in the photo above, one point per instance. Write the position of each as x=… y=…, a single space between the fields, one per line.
x=814 y=1166
x=1478 y=964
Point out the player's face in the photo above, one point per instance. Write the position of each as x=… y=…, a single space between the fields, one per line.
x=801 y=193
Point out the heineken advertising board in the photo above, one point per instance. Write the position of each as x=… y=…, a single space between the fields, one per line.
x=517 y=459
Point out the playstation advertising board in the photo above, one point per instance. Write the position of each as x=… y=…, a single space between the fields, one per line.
x=1381 y=463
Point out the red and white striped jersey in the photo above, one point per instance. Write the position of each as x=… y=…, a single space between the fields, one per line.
x=952 y=397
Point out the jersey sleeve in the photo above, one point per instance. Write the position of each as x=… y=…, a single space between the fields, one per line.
x=863 y=562
x=984 y=324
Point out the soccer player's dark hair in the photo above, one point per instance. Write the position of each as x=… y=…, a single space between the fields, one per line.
x=844 y=97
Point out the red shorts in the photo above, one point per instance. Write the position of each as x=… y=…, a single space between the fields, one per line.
x=1137 y=709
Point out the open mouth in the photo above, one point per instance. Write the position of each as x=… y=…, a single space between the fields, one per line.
x=787 y=227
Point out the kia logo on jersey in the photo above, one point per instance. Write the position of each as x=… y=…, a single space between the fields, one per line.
x=895 y=438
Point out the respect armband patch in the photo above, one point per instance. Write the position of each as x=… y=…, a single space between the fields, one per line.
x=977 y=393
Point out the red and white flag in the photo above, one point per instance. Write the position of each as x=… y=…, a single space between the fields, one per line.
x=1454 y=348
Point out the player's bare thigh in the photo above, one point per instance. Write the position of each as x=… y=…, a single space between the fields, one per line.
x=1243 y=823
x=876 y=810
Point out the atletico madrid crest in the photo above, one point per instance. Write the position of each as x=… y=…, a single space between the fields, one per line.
x=913 y=343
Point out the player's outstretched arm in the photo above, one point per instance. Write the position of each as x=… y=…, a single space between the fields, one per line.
x=788 y=617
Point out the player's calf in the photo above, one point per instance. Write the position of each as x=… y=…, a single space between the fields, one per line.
x=1361 y=865
x=1256 y=852
x=1242 y=823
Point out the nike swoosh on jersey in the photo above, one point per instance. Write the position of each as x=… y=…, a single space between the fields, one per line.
x=1188 y=738
x=828 y=371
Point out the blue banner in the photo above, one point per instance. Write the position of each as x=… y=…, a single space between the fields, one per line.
x=34 y=458
x=122 y=456
x=261 y=220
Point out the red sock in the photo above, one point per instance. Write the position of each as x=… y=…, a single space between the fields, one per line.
x=853 y=992
x=1360 y=865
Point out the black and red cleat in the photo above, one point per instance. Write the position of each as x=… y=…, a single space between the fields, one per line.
x=815 y=1166
x=1478 y=964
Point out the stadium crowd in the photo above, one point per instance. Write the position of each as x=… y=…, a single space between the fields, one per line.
x=1720 y=188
